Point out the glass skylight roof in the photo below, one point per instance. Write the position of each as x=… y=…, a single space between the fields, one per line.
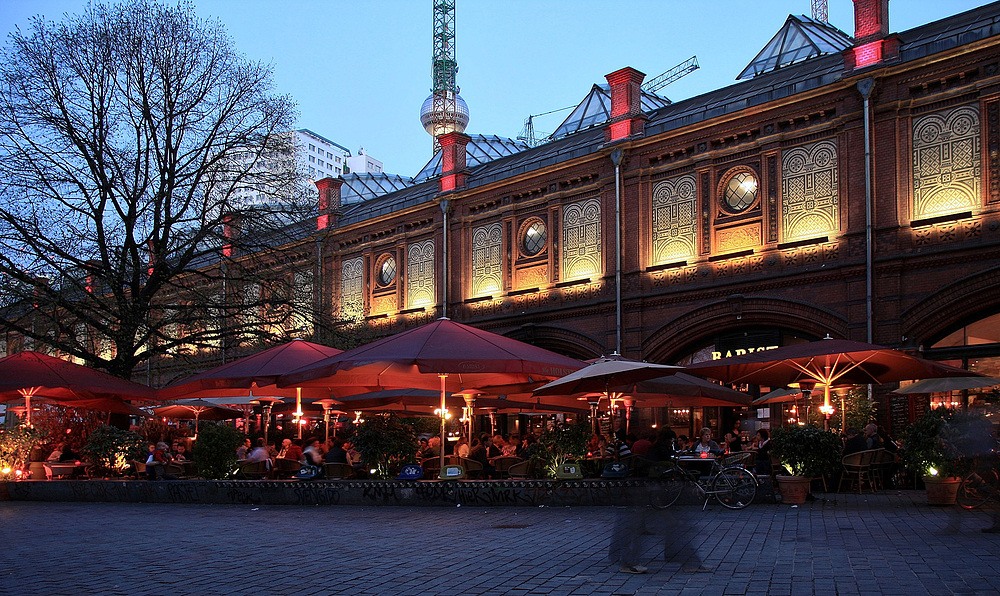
x=799 y=39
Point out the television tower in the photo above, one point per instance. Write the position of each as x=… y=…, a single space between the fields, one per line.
x=444 y=110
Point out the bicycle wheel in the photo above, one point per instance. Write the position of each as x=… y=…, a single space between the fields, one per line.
x=667 y=490
x=735 y=487
x=975 y=489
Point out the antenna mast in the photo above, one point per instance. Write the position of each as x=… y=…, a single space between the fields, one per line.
x=445 y=65
x=819 y=11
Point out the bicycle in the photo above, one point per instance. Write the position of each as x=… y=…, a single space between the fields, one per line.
x=733 y=486
x=980 y=485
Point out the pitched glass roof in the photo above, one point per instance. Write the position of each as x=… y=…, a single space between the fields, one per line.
x=481 y=149
x=365 y=186
x=800 y=38
x=595 y=109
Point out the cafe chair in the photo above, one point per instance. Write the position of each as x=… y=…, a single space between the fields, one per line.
x=502 y=465
x=473 y=468
x=520 y=470
x=431 y=467
x=253 y=470
x=285 y=468
x=138 y=469
x=337 y=471
x=740 y=458
x=857 y=469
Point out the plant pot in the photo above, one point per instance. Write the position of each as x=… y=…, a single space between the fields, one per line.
x=941 y=490
x=793 y=489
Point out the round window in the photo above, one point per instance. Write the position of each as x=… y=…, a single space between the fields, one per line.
x=533 y=240
x=741 y=192
x=387 y=271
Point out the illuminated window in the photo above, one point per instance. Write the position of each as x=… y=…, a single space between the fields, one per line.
x=386 y=272
x=533 y=238
x=740 y=191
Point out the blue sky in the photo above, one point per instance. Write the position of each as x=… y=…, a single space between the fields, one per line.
x=361 y=69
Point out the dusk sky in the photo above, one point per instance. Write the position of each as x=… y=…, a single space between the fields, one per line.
x=360 y=70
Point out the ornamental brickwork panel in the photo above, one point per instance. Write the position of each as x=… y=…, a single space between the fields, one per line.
x=420 y=274
x=487 y=260
x=675 y=218
x=581 y=248
x=809 y=191
x=946 y=162
x=352 y=289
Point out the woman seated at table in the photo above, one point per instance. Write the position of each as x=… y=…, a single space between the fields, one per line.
x=706 y=444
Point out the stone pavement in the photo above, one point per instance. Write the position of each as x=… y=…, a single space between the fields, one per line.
x=890 y=543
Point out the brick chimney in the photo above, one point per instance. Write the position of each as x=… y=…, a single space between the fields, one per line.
x=627 y=118
x=453 y=161
x=329 y=202
x=872 y=42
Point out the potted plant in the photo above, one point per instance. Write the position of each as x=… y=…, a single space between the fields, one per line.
x=807 y=452
x=939 y=444
x=215 y=450
x=560 y=445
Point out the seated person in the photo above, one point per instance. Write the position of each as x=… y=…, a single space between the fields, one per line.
x=762 y=462
x=335 y=454
x=260 y=453
x=663 y=447
x=57 y=452
x=706 y=444
x=182 y=453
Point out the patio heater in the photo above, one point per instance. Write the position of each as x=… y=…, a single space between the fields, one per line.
x=593 y=402
x=470 y=413
x=327 y=405
x=268 y=403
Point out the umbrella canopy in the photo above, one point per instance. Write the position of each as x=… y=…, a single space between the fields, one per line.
x=30 y=374
x=256 y=373
x=197 y=409
x=779 y=396
x=948 y=384
x=682 y=388
x=415 y=358
x=442 y=354
x=603 y=375
x=825 y=362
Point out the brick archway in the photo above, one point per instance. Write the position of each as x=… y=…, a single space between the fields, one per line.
x=562 y=341
x=683 y=334
x=951 y=306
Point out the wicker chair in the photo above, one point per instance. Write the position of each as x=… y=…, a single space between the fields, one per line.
x=253 y=470
x=337 y=470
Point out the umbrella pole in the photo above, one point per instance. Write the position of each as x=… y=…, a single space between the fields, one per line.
x=443 y=377
x=298 y=410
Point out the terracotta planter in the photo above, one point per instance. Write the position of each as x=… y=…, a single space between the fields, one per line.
x=793 y=489
x=941 y=490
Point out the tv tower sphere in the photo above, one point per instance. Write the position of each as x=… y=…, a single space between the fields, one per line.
x=435 y=123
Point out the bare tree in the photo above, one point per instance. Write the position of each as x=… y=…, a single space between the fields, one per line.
x=139 y=187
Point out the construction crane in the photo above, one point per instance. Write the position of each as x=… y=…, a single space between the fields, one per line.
x=528 y=132
x=681 y=70
x=819 y=11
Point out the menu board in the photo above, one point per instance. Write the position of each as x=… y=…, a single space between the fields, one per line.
x=899 y=413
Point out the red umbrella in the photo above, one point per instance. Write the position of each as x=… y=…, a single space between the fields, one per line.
x=825 y=362
x=444 y=354
x=31 y=374
x=257 y=372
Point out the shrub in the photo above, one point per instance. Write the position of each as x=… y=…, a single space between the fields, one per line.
x=562 y=443
x=939 y=441
x=110 y=449
x=385 y=444
x=807 y=450
x=15 y=448
x=215 y=450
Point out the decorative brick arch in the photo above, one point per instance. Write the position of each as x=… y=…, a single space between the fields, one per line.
x=679 y=336
x=562 y=341
x=950 y=306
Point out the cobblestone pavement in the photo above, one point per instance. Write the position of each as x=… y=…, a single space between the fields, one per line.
x=889 y=543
